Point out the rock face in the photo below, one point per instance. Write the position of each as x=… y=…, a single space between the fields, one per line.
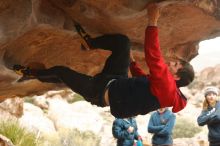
x=211 y=74
x=11 y=108
x=42 y=31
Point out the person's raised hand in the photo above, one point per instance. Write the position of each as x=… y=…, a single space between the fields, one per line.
x=153 y=11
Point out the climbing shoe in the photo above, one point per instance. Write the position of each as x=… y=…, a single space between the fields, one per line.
x=20 y=70
x=85 y=37
x=25 y=72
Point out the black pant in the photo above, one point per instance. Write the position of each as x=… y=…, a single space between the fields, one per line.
x=92 y=88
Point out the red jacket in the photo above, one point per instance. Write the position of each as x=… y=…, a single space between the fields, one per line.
x=162 y=83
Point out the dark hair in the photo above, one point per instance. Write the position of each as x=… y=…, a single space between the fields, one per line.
x=186 y=74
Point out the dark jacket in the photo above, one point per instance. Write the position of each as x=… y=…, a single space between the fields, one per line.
x=211 y=118
x=119 y=131
x=161 y=125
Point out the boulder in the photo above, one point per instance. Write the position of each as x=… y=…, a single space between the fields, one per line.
x=36 y=121
x=42 y=31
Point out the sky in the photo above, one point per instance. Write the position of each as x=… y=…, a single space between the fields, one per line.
x=209 y=54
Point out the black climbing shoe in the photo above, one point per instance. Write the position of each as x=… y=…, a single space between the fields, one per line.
x=23 y=71
x=20 y=70
x=85 y=43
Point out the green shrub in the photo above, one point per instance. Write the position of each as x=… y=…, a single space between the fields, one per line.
x=72 y=138
x=185 y=128
x=29 y=99
x=75 y=98
x=19 y=136
x=77 y=138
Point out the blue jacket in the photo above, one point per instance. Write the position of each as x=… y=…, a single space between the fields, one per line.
x=119 y=131
x=211 y=118
x=161 y=125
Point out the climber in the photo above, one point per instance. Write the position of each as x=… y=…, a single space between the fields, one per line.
x=127 y=97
